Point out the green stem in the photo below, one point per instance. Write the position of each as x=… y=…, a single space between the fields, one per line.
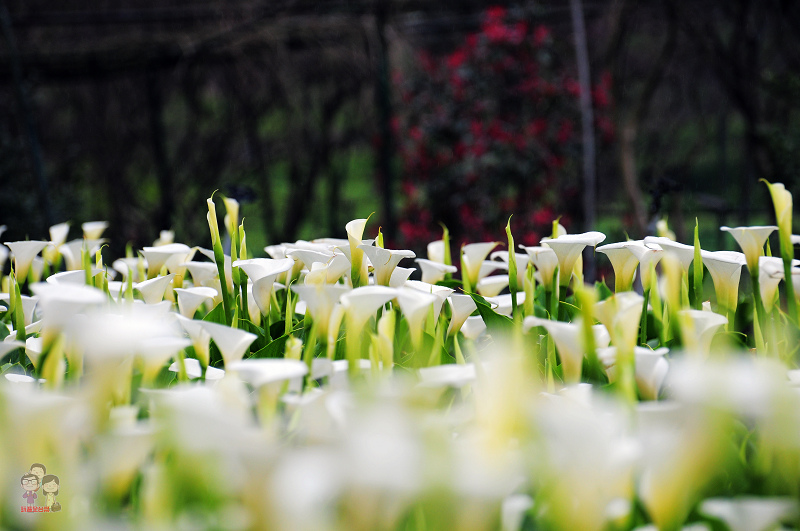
x=787 y=275
x=643 y=322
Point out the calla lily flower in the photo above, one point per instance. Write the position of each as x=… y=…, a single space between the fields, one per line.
x=310 y=256
x=199 y=336
x=698 y=328
x=648 y=255
x=362 y=303
x=502 y=303
x=651 y=368
x=195 y=370
x=153 y=290
x=449 y=375
x=72 y=277
x=158 y=257
x=685 y=253
x=165 y=237
x=384 y=261
x=473 y=327
x=60 y=302
x=263 y=272
x=751 y=240
x=155 y=352
x=433 y=271
x=770 y=274
x=751 y=513
x=624 y=261
x=568 y=337
x=492 y=286
x=71 y=251
x=472 y=257
x=436 y=251
x=93 y=230
x=232 y=342
x=441 y=293
x=320 y=300
x=546 y=261
x=568 y=248
x=522 y=264
x=782 y=201
x=355 y=233
x=202 y=272
x=400 y=276
x=462 y=307
x=190 y=299
x=259 y=372
x=415 y=305
x=726 y=269
x=58 y=235
x=621 y=314
x=23 y=253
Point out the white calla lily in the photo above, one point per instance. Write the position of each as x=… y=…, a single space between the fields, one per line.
x=441 y=292
x=320 y=300
x=362 y=303
x=685 y=253
x=436 y=250
x=24 y=253
x=433 y=271
x=415 y=305
x=650 y=367
x=569 y=340
x=726 y=269
x=190 y=299
x=624 y=261
x=472 y=257
x=750 y=513
x=698 y=328
x=491 y=286
x=545 y=261
x=93 y=230
x=153 y=290
x=462 y=307
x=568 y=248
x=199 y=336
x=751 y=240
x=384 y=261
x=264 y=272
x=232 y=342
x=400 y=276
x=173 y=254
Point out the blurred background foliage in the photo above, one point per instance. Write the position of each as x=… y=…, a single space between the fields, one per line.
x=315 y=113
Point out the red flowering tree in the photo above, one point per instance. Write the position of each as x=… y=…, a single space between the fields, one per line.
x=488 y=130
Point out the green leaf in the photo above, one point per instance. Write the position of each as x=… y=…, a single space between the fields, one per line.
x=452 y=283
x=217 y=315
x=274 y=349
x=495 y=322
x=603 y=291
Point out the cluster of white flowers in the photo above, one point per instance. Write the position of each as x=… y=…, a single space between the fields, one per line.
x=323 y=388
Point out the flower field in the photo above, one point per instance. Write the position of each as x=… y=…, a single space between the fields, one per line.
x=328 y=387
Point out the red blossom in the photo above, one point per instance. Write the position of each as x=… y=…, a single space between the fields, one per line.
x=456 y=59
x=494 y=13
x=540 y=35
x=564 y=132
